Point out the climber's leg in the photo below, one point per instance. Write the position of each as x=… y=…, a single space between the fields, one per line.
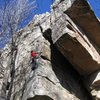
x=12 y=72
x=8 y=85
x=34 y=65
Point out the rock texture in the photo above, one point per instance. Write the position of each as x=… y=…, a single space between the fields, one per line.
x=69 y=62
x=75 y=46
x=52 y=80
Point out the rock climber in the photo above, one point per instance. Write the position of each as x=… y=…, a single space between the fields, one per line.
x=8 y=85
x=35 y=57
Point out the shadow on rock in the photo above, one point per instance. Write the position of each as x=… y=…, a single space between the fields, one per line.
x=40 y=97
x=69 y=78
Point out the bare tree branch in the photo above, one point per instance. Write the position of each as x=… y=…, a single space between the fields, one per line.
x=12 y=15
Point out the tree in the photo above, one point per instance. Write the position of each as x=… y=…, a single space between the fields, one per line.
x=12 y=15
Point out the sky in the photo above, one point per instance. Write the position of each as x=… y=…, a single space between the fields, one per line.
x=44 y=6
x=95 y=4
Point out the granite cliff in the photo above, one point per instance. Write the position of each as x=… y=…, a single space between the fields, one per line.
x=68 y=68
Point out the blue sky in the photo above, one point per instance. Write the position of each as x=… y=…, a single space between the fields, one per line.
x=95 y=6
x=44 y=6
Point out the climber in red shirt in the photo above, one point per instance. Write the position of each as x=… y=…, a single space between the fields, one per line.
x=34 y=54
x=35 y=57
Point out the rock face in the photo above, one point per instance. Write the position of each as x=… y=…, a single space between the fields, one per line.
x=52 y=80
x=69 y=62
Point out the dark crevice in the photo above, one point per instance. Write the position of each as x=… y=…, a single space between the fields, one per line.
x=69 y=78
x=40 y=97
x=70 y=27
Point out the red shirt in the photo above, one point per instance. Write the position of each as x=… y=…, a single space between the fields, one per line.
x=34 y=54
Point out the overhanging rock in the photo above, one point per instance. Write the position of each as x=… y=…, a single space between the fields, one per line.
x=83 y=16
x=75 y=45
